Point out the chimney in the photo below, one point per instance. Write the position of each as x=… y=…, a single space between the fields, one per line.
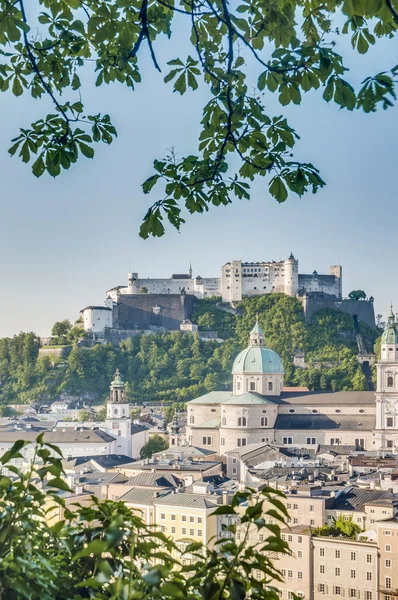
x=78 y=490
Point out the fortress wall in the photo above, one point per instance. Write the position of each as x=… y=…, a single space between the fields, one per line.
x=328 y=284
x=165 y=286
x=314 y=303
x=144 y=311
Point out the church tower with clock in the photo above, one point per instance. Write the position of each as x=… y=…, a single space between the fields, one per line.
x=386 y=432
x=118 y=421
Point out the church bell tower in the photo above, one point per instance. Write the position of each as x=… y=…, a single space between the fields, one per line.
x=386 y=432
x=118 y=421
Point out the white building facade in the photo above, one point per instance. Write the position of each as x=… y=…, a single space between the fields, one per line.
x=386 y=434
x=261 y=410
x=239 y=279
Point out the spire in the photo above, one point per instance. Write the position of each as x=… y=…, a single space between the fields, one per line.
x=256 y=335
x=117 y=380
x=190 y=270
x=391 y=316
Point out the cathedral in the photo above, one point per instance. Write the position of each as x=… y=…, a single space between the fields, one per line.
x=260 y=409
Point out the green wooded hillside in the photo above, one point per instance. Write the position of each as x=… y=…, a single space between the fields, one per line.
x=179 y=367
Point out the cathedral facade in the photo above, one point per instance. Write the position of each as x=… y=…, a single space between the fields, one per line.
x=260 y=409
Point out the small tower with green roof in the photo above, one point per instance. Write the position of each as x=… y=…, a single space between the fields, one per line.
x=118 y=421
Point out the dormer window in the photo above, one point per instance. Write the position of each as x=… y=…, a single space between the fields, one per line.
x=252 y=386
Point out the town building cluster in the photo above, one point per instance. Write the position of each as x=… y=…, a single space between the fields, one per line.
x=334 y=455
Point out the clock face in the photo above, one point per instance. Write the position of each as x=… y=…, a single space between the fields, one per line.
x=392 y=407
x=115 y=425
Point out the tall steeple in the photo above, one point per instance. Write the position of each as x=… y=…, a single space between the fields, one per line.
x=118 y=421
x=190 y=271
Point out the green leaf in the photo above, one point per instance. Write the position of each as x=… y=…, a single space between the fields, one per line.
x=278 y=189
x=88 y=151
x=149 y=183
x=94 y=547
x=180 y=85
x=59 y=483
x=13 y=452
x=17 y=88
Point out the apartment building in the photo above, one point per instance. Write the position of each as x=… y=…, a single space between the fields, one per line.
x=184 y=517
x=344 y=568
x=387 y=537
x=296 y=567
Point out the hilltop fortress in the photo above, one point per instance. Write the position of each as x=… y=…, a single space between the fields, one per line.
x=239 y=279
x=156 y=304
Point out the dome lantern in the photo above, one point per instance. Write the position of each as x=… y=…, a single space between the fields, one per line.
x=258 y=368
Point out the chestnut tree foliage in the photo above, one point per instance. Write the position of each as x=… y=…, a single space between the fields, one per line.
x=289 y=44
x=105 y=551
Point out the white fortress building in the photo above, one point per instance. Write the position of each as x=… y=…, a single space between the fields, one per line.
x=239 y=279
x=261 y=410
x=165 y=304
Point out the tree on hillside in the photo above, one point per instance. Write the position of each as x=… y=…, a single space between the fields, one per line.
x=85 y=415
x=242 y=53
x=157 y=443
x=101 y=414
x=61 y=329
x=357 y=295
x=143 y=290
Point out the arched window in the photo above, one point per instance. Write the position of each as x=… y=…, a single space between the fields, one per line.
x=191 y=420
x=116 y=395
x=390 y=381
x=224 y=421
x=252 y=386
x=264 y=421
x=238 y=386
x=242 y=422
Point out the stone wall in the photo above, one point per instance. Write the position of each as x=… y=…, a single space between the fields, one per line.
x=61 y=351
x=145 y=311
x=317 y=301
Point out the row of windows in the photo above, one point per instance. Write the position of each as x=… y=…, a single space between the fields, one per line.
x=290 y=537
x=338 y=590
x=353 y=555
x=290 y=575
x=184 y=518
x=353 y=573
x=199 y=532
x=295 y=521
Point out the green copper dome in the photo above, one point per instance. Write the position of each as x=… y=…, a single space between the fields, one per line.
x=258 y=360
x=390 y=334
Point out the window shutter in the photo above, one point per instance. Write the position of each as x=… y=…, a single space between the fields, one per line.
x=326 y=588
x=342 y=591
x=358 y=594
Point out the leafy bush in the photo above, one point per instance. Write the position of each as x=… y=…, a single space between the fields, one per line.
x=105 y=551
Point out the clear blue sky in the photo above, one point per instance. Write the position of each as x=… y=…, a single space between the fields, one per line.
x=63 y=242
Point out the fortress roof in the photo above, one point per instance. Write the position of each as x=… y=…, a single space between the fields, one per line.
x=96 y=308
